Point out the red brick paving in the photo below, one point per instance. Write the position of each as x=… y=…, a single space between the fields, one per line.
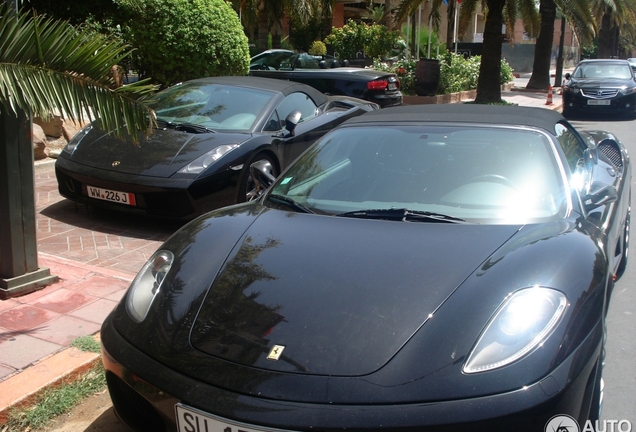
x=95 y=254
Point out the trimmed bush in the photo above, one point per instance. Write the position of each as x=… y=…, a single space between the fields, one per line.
x=376 y=41
x=317 y=48
x=456 y=73
x=178 y=40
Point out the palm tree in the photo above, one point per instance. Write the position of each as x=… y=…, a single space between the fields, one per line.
x=612 y=15
x=579 y=14
x=47 y=67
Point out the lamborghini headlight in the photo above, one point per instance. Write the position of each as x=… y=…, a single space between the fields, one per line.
x=147 y=284
x=74 y=142
x=201 y=163
x=523 y=322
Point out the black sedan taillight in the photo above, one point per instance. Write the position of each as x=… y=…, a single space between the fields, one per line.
x=384 y=84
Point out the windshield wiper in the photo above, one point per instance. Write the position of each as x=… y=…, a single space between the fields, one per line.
x=402 y=215
x=282 y=199
x=186 y=127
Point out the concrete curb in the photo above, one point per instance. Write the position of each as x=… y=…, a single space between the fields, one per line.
x=22 y=389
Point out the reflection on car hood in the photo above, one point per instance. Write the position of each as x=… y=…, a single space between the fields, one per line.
x=161 y=154
x=341 y=295
x=603 y=83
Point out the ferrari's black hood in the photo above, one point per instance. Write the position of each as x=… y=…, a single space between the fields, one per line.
x=160 y=154
x=338 y=299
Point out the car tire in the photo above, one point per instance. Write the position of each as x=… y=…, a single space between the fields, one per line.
x=620 y=270
x=247 y=187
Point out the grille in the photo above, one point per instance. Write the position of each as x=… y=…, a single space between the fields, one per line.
x=612 y=153
x=599 y=94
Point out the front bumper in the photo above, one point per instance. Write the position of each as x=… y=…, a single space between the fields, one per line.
x=180 y=199
x=580 y=102
x=144 y=394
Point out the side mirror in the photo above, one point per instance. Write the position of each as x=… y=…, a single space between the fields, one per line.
x=260 y=172
x=292 y=121
x=600 y=194
x=567 y=76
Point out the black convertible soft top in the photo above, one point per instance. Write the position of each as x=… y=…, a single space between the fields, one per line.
x=465 y=113
x=282 y=86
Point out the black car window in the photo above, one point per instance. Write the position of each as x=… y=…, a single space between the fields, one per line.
x=274 y=123
x=297 y=101
x=572 y=146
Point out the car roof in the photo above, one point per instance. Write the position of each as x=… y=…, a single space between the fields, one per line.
x=465 y=113
x=277 y=85
x=620 y=61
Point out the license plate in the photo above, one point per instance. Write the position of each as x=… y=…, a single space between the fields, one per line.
x=598 y=102
x=111 y=195
x=392 y=86
x=193 y=420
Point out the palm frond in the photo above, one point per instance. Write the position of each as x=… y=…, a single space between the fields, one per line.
x=47 y=67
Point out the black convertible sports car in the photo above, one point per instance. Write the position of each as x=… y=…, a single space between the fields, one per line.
x=329 y=76
x=423 y=268
x=209 y=131
x=600 y=86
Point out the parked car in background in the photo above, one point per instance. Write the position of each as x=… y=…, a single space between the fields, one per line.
x=632 y=63
x=603 y=85
x=326 y=74
x=208 y=133
x=282 y=59
x=421 y=268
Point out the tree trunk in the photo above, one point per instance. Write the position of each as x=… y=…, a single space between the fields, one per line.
x=19 y=271
x=450 y=28
x=606 y=35
x=540 y=79
x=263 y=27
x=489 y=82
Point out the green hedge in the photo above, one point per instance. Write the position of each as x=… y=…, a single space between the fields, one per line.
x=456 y=73
x=178 y=40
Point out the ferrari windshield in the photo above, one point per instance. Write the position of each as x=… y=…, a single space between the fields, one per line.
x=213 y=106
x=602 y=70
x=476 y=174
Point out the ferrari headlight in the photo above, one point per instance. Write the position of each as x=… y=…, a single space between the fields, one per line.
x=74 y=142
x=202 y=162
x=523 y=321
x=147 y=284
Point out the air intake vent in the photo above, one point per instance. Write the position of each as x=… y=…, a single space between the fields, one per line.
x=611 y=151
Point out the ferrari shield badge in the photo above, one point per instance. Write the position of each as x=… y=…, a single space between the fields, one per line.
x=275 y=352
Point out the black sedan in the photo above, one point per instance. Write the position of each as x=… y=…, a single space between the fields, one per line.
x=209 y=132
x=600 y=86
x=423 y=268
x=328 y=76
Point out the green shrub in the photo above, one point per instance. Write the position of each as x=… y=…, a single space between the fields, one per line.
x=506 y=72
x=456 y=73
x=178 y=40
x=348 y=40
x=317 y=48
x=375 y=40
